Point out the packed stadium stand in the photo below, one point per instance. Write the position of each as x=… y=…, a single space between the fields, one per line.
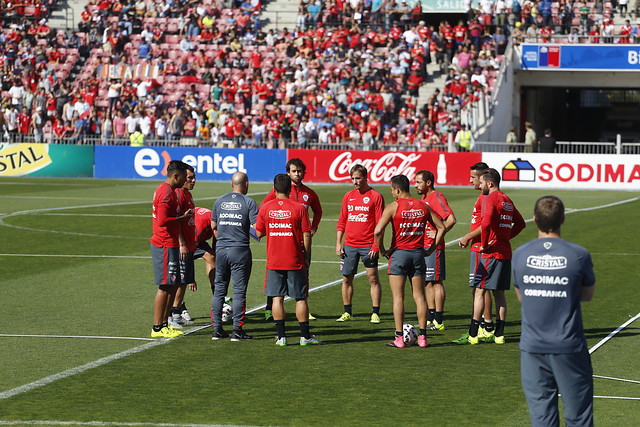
x=355 y=74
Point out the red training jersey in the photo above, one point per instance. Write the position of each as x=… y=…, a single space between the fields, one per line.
x=409 y=224
x=359 y=215
x=438 y=205
x=307 y=198
x=283 y=221
x=185 y=200
x=166 y=228
x=476 y=221
x=203 y=224
x=501 y=222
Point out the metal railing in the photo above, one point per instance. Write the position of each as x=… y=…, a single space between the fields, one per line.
x=563 y=147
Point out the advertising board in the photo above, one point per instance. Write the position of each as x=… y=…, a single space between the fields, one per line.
x=332 y=166
x=566 y=171
x=210 y=164
x=549 y=56
x=45 y=160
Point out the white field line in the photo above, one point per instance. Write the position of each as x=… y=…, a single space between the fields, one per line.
x=617 y=397
x=616 y=379
x=103 y=361
x=100 y=205
x=77 y=336
x=612 y=334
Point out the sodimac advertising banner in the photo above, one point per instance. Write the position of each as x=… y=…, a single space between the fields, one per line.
x=549 y=56
x=45 y=160
x=210 y=164
x=332 y=166
x=566 y=171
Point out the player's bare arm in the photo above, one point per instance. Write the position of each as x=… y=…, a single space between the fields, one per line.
x=339 y=245
x=378 y=233
x=464 y=241
x=586 y=293
x=449 y=222
x=440 y=232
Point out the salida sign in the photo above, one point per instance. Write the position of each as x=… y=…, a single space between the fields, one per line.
x=333 y=166
x=568 y=171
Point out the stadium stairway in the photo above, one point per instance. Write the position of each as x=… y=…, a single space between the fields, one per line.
x=434 y=81
x=66 y=15
x=279 y=14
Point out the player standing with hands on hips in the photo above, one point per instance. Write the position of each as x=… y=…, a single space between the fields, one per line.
x=165 y=247
x=361 y=210
x=408 y=218
x=552 y=276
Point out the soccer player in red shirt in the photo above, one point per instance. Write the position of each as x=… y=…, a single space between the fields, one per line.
x=179 y=314
x=435 y=263
x=473 y=238
x=296 y=169
x=501 y=222
x=361 y=210
x=408 y=218
x=286 y=224
x=165 y=246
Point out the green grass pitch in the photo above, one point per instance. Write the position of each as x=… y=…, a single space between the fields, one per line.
x=75 y=262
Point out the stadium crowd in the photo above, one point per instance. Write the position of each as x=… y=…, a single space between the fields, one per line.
x=205 y=73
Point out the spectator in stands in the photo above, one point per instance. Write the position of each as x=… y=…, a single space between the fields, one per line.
x=547 y=143
x=530 y=138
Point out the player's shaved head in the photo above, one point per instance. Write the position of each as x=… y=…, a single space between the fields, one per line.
x=400 y=182
x=282 y=183
x=548 y=213
x=240 y=182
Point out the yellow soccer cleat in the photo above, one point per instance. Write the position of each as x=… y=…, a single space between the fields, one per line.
x=344 y=318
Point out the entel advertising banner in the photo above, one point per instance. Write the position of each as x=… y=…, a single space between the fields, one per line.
x=44 y=160
x=548 y=56
x=332 y=166
x=566 y=171
x=210 y=164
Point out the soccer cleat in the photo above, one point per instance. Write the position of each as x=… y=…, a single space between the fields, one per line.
x=281 y=342
x=473 y=340
x=240 y=335
x=312 y=317
x=162 y=333
x=219 y=333
x=430 y=325
x=175 y=325
x=185 y=315
x=375 y=319
x=462 y=340
x=344 y=318
x=485 y=336
x=438 y=326
x=268 y=315
x=499 y=339
x=422 y=341
x=309 y=341
x=174 y=331
x=397 y=342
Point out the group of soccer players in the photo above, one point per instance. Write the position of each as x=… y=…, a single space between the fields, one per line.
x=416 y=252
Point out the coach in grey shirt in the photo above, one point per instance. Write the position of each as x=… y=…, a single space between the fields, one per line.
x=232 y=217
x=552 y=276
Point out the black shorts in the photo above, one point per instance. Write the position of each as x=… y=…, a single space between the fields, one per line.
x=293 y=283
x=187 y=270
x=204 y=247
x=166 y=266
x=493 y=274
x=353 y=255
x=407 y=262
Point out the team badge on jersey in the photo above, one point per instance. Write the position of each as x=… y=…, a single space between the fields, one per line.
x=366 y=200
x=305 y=197
x=547 y=245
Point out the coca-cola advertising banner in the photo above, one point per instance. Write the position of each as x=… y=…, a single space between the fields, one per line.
x=329 y=166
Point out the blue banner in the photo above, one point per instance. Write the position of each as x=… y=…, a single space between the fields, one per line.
x=549 y=56
x=211 y=164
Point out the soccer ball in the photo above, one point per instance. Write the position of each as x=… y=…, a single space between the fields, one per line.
x=227 y=313
x=409 y=334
